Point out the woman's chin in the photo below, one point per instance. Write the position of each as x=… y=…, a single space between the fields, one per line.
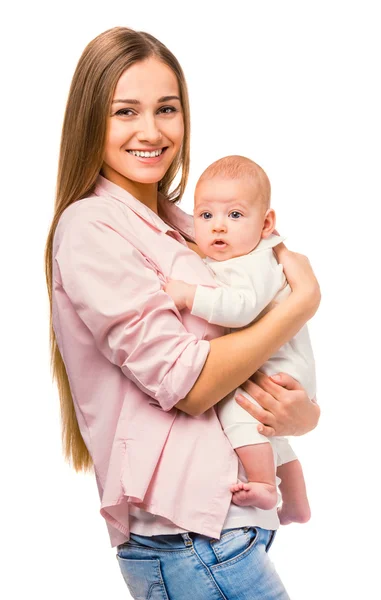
x=146 y=176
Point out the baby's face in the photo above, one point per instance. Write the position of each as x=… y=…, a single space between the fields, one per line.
x=228 y=218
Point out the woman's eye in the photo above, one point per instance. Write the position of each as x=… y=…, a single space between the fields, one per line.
x=125 y=112
x=235 y=214
x=167 y=110
x=206 y=215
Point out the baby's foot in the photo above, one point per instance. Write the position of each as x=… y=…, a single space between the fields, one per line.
x=253 y=493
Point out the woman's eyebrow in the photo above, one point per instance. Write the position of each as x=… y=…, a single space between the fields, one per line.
x=132 y=101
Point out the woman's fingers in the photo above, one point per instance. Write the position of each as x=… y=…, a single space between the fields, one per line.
x=262 y=396
x=286 y=381
x=298 y=271
x=267 y=385
x=264 y=417
x=283 y=408
x=280 y=250
x=276 y=384
x=265 y=430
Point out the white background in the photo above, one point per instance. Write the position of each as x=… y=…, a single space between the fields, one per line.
x=294 y=86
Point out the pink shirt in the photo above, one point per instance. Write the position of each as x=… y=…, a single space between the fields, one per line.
x=131 y=356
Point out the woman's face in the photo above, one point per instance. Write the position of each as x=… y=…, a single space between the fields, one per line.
x=145 y=117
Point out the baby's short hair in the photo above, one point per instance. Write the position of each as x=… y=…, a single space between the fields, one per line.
x=235 y=166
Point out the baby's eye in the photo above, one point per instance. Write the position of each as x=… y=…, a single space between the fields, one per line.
x=235 y=214
x=206 y=215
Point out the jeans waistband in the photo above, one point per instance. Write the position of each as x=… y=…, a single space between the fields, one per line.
x=177 y=540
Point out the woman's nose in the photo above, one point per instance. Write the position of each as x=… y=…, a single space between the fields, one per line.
x=149 y=131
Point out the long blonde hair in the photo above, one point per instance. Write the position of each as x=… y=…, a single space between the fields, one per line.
x=81 y=156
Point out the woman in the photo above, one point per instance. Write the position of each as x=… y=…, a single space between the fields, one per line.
x=125 y=359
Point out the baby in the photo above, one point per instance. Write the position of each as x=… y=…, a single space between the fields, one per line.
x=234 y=227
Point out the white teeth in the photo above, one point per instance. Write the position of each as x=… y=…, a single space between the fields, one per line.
x=146 y=154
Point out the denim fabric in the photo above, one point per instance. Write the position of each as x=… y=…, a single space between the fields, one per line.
x=195 y=567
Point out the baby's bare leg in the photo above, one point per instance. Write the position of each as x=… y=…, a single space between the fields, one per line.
x=295 y=507
x=260 y=491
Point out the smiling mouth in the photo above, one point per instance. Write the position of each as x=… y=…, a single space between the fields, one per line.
x=147 y=153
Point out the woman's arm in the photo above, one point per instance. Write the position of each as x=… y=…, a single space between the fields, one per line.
x=118 y=296
x=235 y=357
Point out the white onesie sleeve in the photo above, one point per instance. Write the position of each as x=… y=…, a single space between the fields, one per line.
x=247 y=285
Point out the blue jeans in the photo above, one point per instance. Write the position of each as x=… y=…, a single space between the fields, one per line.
x=195 y=567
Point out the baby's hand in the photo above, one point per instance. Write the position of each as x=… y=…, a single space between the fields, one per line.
x=181 y=293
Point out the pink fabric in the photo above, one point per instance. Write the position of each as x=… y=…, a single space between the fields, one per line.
x=131 y=356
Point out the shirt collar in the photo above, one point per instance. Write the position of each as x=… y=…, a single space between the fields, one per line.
x=171 y=218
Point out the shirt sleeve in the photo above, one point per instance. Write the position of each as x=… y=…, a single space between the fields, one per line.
x=245 y=290
x=117 y=294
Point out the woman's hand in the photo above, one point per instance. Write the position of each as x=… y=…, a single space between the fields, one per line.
x=300 y=276
x=285 y=408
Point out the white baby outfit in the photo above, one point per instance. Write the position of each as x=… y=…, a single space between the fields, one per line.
x=249 y=286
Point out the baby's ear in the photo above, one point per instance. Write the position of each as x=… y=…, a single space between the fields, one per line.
x=269 y=223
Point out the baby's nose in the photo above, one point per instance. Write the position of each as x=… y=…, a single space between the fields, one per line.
x=219 y=227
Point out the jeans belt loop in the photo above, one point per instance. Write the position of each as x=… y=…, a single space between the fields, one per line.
x=187 y=539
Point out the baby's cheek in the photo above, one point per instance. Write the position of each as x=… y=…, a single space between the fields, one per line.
x=202 y=237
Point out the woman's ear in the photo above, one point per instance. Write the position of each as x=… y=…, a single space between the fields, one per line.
x=268 y=223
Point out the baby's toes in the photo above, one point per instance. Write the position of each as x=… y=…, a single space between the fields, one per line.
x=240 y=498
x=236 y=486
